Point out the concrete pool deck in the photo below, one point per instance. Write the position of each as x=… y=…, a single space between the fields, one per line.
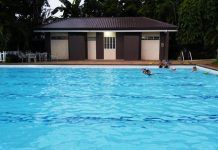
x=203 y=63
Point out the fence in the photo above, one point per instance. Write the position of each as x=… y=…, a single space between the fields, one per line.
x=3 y=56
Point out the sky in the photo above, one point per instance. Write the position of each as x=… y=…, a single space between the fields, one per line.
x=56 y=3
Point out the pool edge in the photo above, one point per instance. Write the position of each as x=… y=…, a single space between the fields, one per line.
x=200 y=67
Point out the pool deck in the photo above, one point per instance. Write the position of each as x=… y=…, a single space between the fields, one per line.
x=204 y=63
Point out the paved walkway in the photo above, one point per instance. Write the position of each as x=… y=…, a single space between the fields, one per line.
x=112 y=62
x=205 y=63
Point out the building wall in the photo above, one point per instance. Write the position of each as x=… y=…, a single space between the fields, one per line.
x=100 y=45
x=77 y=46
x=164 y=45
x=91 y=39
x=48 y=44
x=150 y=46
x=109 y=52
x=59 y=46
x=129 y=46
x=119 y=45
x=132 y=46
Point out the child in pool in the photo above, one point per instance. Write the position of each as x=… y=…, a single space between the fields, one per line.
x=194 y=69
x=147 y=72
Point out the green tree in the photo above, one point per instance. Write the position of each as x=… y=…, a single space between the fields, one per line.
x=198 y=24
x=111 y=8
x=148 y=8
x=92 y=8
x=130 y=8
x=17 y=19
x=69 y=9
x=167 y=10
x=4 y=39
x=190 y=24
x=209 y=21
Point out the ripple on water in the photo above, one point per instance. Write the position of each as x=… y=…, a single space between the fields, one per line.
x=107 y=109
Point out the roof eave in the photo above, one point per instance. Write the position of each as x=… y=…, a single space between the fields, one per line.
x=169 y=29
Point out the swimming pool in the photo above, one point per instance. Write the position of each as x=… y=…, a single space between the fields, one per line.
x=107 y=108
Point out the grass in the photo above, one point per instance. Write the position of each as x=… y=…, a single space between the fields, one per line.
x=215 y=62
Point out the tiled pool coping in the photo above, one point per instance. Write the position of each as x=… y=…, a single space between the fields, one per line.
x=209 y=70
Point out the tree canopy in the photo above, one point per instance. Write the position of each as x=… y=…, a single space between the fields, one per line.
x=196 y=19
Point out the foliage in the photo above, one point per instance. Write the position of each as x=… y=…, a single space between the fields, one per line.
x=69 y=9
x=130 y=8
x=111 y=8
x=12 y=59
x=17 y=19
x=197 y=20
x=4 y=38
x=215 y=62
x=189 y=27
x=148 y=8
x=198 y=23
x=92 y=8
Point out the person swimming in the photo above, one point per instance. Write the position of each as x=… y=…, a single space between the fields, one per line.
x=164 y=64
x=167 y=64
x=194 y=69
x=161 y=64
x=173 y=69
x=147 y=72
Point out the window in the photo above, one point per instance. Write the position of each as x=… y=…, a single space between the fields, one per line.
x=156 y=37
x=109 y=43
x=149 y=37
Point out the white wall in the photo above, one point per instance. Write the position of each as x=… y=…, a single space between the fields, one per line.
x=91 y=45
x=109 y=54
x=150 y=49
x=59 y=47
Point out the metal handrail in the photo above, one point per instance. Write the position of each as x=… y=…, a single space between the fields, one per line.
x=190 y=54
x=182 y=56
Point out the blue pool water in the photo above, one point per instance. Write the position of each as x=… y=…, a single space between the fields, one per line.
x=108 y=109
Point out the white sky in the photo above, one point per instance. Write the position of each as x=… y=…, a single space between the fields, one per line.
x=56 y=3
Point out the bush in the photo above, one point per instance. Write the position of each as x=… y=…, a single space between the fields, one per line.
x=10 y=58
x=215 y=62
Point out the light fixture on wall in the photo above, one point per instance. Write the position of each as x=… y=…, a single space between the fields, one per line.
x=109 y=34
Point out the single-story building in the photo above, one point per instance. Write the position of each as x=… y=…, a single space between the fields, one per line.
x=108 y=38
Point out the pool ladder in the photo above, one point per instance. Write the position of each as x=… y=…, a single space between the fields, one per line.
x=181 y=56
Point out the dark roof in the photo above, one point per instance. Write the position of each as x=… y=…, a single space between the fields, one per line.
x=109 y=23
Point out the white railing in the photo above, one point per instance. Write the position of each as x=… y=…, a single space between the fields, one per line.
x=183 y=58
x=3 y=56
x=190 y=54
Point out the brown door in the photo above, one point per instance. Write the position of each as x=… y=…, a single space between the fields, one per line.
x=132 y=46
x=77 y=46
x=99 y=45
x=119 y=45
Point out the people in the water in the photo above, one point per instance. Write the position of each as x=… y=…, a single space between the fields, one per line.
x=194 y=69
x=164 y=64
x=147 y=72
x=173 y=69
x=161 y=64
